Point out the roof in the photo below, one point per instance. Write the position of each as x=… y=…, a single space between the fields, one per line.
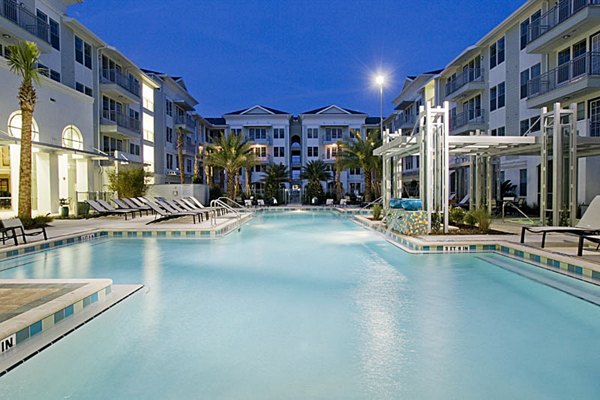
x=321 y=109
x=372 y=120
x=216 y=121
x=273 y=110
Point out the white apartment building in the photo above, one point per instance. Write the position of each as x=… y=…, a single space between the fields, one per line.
x=543 y=53
x=89 y=111
x=280 y=137
x=173 y=110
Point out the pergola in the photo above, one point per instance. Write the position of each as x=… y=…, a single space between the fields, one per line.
x=431 y=141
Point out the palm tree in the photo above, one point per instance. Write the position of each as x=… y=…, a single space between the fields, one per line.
x=230 y=152
x=315 y=172
x=339 y=167
x=357 y=152
x=275 y=175
x=180 y=143
x=22 y=60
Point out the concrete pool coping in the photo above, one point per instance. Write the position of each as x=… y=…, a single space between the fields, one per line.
x=55 y=331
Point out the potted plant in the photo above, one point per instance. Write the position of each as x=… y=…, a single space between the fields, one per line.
x=64 y=207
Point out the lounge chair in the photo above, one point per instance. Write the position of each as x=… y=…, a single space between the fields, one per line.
x=132 y=204
x=207 y=211
x=101 y=210
x=343 y=202
x=591 y=238
x=108 y=207
x=248 y=203
x=589 y=224
x=124 y=206
x=14 y=225
x=161 y=214
x=329 y=202
x=260 y=203
x=197 y=205
x=173 y=207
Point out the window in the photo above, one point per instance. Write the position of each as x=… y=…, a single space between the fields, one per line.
x=54 y=34
x=312 y=151
x=493 y=98
x=579 y=59
x=83 y=52
x=111 y=144
x=497 y=96
x=169 y=107
x=169 y=161
x=235 y=131
x=279 y=151
x=134 y=115
x=502 y=131
x=524 y=33
x=257 y=133
x=333 y=133
x=260 y=151
x=279 y=133
x=88 y=91
x=312 y=133
x=354 y=171
x=42 y=25
x=497 y=53
x=134 y=149
x=580 y=111
x=188 y=166
x=534 y=124
x=169 y=134
x=71 y=138
x=501 y=95
x=523 y=182
x=55 y=75
x=331 y=152
x=524 y=83
x=355 y=187
x=524 y=126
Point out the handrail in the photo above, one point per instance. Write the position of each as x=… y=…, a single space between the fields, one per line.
x=219 y=203
x=378 y=200
x=225 y=198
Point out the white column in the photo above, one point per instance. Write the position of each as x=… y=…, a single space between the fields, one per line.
x=15 y=161
x=47 y=182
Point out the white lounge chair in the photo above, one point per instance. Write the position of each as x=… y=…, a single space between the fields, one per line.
x=248 y=203
x=589 y=224
x=260 y=202
x=329 y=202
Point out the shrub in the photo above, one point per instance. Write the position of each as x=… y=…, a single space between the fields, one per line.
x=483 y=219
x=129 y=182
x=457 y=215
x=376 y=212
x=469 y=218
x=36 y=222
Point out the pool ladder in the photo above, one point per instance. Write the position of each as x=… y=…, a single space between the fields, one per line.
x=220 y=203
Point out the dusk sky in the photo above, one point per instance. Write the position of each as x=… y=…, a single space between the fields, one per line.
x=291 y=55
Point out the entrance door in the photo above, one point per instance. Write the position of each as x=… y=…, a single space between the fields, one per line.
x=595 y=54
x=595 y=117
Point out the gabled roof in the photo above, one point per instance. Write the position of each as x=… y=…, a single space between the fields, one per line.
x=216 y=121
x=332 y=107
x=266 y=110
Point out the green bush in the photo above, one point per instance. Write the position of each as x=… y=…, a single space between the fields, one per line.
x=36 y=222
x=377 y=212
x=469 y=218
x=129 y=182
x=457 y=215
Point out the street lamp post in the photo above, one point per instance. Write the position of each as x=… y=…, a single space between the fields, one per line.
x=380 y=79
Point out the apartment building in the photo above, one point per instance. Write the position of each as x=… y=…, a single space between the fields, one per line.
x=173 y=112
x=280 y=137
x=545 y=52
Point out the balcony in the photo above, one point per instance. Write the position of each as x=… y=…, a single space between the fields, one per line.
x=120 y=85
x=296 y=160
x=467 y=83
x=189 y=147
x=562 y=19
x=408 y=122
x=578 y=77
x=260 y=140
x=15 y=13
x=115 y=122
x=467 y=121
x=185 y=121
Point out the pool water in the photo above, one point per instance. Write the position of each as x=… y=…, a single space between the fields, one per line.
x=310 y=306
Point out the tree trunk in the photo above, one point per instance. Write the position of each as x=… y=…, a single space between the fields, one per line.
x=231 y=184
x=247 y=180
x=27 y=98
x=180 y=143
x=339 y=191
x=368 y=178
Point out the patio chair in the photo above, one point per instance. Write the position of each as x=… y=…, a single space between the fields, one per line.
x=108 y=207
x=260 y=203
x=343 y=202
x=591 y=238
x=101 y=210
x=329 y=202
x=196 y=204
x=173 y=207
x=248 y=203
x=161 y=214
x=207 y=211
x=589 y=224
x=124 y=206
x=133 y=204
x=14 y=225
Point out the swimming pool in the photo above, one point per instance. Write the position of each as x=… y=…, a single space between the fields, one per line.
x=302 y=305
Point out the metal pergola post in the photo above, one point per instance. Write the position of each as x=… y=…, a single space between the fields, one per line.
x=446 y=164
x=573 y=166
x=557 y=165
x=545 y=125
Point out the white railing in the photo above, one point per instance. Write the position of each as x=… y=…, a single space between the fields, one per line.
x=218 y=203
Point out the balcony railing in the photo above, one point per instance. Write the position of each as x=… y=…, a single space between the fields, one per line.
x=122 y=120
x=185 y=120
x=594 y=127
x=467 y=117
x=123 y=80
x=466 y=76
x=17 y=13
x=557 y=14
x=296 y=160
x=584 y=65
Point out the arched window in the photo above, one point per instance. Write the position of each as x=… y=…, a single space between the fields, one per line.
x=71 y=138
x=15 y=123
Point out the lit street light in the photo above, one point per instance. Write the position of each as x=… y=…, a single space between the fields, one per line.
x=379 y=79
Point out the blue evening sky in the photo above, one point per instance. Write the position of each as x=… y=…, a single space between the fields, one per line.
x=293 y=55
